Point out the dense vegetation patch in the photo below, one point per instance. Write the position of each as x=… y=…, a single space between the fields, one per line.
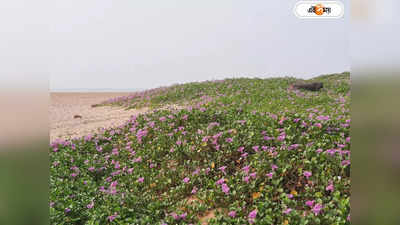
x=241 y=151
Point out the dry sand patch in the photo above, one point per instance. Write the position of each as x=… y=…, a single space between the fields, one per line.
x=65 y=106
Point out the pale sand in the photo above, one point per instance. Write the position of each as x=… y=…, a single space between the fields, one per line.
x=63 y=107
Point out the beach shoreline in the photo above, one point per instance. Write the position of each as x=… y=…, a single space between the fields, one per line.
x=65 y=105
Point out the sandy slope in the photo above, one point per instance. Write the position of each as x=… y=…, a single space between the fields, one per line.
x=63 y=107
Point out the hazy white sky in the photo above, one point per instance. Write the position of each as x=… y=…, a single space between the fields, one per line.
x=130 y=44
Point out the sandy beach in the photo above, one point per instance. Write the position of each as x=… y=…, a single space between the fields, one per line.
x=64 y=106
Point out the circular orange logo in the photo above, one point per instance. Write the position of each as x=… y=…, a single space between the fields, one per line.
x=319 y=9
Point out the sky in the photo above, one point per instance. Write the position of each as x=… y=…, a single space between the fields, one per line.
x=128 y=44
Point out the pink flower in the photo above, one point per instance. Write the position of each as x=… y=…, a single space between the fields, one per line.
x=255 y=148
x=186 y=180
x=183 y=215
x=330 y=187
x=307 y=174
x=274 y=167
x=175 y=216
x=310 y=203
x=139 y=159
x=267 y=138
x=140 y=179
x=290 y=196
x=229 y=140
x=287 y=211
x=225 y=188
x=252 y=216
x=246 y=169
x=293 y=147
x=281 y=137
x=232 y=214
x=114 y=184
x=112 y=189
x=112 y=217
x=222 y=168
x=91 y=169
x=101 y=188
x=194 y=190
x=196 y=172
x=319 y=125
x=115 y=151
x=220 y=181
x=317 y=209
x=322 y=118
x=345 y=162
x=246 y=179
x=99 y=148
x=253 y=175
x=130 y=170
x=330 y=151
x=90 y=205
x=270 y=174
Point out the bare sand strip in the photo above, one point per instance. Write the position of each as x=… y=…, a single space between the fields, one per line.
x=64 y=106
